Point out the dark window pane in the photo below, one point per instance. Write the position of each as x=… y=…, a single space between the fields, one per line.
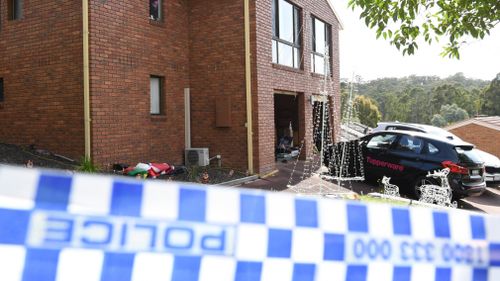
x=1 y=89
x=275 y=18
x=297 y=25
x=155 y=9
x=313 y=40
x=15 y=9
x=18 y=11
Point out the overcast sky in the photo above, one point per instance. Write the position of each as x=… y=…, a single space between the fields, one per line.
x=370 y=58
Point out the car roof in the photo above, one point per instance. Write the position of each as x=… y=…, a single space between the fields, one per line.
x=423 y=127
x=454 y=142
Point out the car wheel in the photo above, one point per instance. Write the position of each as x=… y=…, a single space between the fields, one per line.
x=423 y=180
x=457 y=197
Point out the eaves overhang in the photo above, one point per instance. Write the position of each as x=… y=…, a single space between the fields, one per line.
x=341 y=25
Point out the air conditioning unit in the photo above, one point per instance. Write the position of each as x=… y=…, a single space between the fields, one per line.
x=196 y=157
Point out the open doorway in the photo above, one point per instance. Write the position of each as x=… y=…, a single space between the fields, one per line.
x=286 y=123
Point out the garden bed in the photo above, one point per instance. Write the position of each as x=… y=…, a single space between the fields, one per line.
x=20 y=156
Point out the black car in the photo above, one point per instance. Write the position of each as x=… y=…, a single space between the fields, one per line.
x=406 y=157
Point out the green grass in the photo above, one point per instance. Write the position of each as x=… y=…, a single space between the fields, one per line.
x=87 y=166
x=370 y=199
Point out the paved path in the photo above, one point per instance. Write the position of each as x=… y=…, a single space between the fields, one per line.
x=314 y=185
x=281 y=179
x=489 y=202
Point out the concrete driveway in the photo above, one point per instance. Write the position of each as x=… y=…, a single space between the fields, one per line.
x=488 y=202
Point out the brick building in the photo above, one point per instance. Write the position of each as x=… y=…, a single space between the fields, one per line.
x=480 y=131
x=145 y=57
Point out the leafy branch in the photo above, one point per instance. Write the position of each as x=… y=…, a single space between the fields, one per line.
x=405 y=22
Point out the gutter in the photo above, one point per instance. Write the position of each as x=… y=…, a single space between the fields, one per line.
x=248 y=84
x=86 y=82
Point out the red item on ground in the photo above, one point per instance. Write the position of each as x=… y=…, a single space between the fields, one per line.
x=159 y=169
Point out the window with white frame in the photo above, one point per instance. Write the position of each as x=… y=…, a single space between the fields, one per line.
x=155 y=8
x=156 y=94
x=286 y=34
x=321 y=46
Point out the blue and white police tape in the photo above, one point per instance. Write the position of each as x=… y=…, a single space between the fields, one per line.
x=60 y=226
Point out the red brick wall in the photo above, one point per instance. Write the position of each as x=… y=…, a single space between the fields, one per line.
x=126 y=48
x=484 y=138
x=198 y=45
x=41 y=65
x=217 y=60
x=271 y=78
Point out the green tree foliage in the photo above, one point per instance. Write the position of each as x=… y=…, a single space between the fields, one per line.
x=417 y=99
x=491 y=104
x=419 y=104
x=344 y=96
x=452 y=113
x=452 y=93
x=404 y=22
x=367 y=111
x=438 y=120
x=392 y=108
x=477 y=100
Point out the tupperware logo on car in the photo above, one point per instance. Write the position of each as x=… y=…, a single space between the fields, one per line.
x=128 y=234
x=384 y=164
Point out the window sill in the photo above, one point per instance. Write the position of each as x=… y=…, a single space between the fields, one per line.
x=159 y=22
x=287 y=68
x=158 y=118
x=317 y=75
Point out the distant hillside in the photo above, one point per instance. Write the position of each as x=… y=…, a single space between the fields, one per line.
x=419 y=98
x=427 y=83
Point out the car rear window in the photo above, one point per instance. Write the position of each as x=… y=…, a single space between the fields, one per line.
x=466 y=154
